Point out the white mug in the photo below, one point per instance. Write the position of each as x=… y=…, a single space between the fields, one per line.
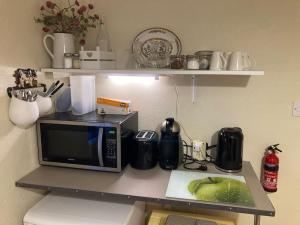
x=240 y=61
x=227 y=56
x=22 y=113
x=62 y=43
x=218 y=61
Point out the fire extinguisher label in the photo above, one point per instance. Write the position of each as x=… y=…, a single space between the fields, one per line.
x=270 y=180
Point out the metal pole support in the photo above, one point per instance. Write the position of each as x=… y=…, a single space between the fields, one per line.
x=256 y=219
x=193 y=89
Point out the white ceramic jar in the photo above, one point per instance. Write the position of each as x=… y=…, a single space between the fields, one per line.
x=193 y=62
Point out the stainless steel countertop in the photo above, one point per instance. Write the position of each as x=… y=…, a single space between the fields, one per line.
x=147 y=185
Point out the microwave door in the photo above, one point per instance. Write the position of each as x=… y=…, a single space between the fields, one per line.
x=100 y=148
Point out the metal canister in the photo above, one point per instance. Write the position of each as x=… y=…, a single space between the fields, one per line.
x=204 y=59
x=192 y=62
x=177 y=61
x=76 y=62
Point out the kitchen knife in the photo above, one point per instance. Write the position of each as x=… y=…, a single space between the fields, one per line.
x=52 y=87
x=54 y=91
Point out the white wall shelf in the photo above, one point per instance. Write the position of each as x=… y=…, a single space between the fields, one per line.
x=160 y=72
x=59 y=73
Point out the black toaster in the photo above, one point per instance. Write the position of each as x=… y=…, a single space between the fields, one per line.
x=144 y=150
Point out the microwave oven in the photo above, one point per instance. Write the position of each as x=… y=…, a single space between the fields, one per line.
x=91 y=141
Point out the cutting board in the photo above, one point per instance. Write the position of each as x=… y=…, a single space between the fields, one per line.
x=233 y=189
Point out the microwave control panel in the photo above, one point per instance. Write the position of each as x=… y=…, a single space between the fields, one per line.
x=110 y=146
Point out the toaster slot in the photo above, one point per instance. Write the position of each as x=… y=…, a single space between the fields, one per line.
x=145 y=135
x=140 y=134
x=149 y=135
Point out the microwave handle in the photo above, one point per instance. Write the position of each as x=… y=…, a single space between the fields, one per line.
x=100 y=150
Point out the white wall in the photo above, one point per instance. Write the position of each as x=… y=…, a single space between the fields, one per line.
x=261 y=106
x=20 y=44
x=267 y=29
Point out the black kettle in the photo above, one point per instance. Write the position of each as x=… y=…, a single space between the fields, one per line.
x=229 y=156
x=170 y=146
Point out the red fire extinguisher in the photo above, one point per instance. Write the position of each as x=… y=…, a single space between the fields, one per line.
x=270 y=168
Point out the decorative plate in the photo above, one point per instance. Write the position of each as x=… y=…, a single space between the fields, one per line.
x=152 y=47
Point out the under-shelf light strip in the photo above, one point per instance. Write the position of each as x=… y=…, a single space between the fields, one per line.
x=127 y=79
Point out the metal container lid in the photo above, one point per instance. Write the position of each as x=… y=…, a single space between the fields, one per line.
x=68 y=54
x=170 y=126
x=192 y=57
x=204 y=53
x=177 y=56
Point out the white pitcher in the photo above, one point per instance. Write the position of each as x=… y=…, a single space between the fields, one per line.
x=241 y=61
x=62 y=43
x=218 y=61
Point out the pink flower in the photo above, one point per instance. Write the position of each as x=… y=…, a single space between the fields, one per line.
x=76 y=22
x=46 y=29
x=50 y=4
x=91 y=6
x=81 y=10
x=82 y=42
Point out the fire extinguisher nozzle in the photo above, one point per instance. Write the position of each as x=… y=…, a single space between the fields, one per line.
x=274 y=148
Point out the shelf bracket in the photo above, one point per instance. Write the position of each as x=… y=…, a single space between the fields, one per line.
x=193 y=88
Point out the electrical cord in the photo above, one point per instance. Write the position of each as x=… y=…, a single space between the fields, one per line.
x=189 y=162
x=177 y=98
x=177 y=109
x=211 y=159
x=193 y=164
x=210 y=147
x=201 y=164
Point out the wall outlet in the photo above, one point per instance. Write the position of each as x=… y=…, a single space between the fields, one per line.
x=296 y=108
x=199 y=150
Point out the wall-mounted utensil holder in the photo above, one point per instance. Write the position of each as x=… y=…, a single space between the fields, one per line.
x=23 y=113
x=25 y=80
x=24 y=109
x=44 y=105
x=16 y=90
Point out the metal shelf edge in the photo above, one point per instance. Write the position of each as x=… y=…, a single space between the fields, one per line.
x=171 y=201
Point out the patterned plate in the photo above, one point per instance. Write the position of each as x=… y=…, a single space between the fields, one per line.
x=152 y=47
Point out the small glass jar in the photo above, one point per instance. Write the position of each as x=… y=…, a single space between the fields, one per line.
x=204 y=59
x=177 y=61
x=68 y=60
x=76 y=61
x=192 y=62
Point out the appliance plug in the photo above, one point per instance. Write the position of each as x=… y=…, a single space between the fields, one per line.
x=199 y=150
